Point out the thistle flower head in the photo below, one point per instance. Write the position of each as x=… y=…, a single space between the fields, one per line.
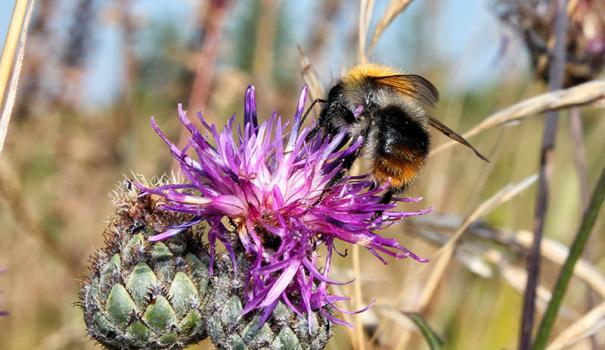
x=534 y=20
x=285 y=195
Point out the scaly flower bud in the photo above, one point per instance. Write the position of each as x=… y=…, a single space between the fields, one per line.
x=142 y=294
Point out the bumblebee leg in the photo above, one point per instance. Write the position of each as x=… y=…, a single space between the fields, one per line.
x=388 y=196
x=386 y=199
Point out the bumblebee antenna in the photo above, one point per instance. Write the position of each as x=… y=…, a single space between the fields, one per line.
x=309 y=110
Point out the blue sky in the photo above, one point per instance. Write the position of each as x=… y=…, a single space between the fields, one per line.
x=6 y=8
x=468 y=37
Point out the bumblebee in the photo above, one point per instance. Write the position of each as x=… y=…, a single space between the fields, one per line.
x=389 y=110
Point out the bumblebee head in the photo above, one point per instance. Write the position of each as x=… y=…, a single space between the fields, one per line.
x=336 y=114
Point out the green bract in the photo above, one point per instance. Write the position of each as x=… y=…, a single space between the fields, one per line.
x=284 y=329
x=145 y=295
x=160 y=295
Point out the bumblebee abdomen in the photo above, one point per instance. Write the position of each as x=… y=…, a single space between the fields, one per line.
x=401 y=146
x=400 y=173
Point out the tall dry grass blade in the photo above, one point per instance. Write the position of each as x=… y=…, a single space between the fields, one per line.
x=360 y=341
x=557 y=252
x=15 y=38
x=10 y=44
x=443 y=255
x=556 y=74
x=310 y=75
x=395 y=8
x=580 y=95
x=431 y=230
x=582 y=328
x=365 y=17
x=579 y=154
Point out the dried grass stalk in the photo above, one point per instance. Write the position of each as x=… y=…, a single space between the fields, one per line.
x=310 y=75
x=446 y=252
x=431 y=230
x=15 y=38
x=444 y=255
x=365 y=18
x=580 y=95
x=584 y=327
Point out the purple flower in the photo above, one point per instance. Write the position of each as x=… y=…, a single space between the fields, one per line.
x=276 y=190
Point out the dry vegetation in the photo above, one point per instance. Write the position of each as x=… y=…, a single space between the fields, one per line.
x=62 y=158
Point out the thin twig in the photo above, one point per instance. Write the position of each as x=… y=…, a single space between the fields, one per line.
x=580 y=95
x=123 y=115
x=204 y=71
x=16 y=37
x=557 y=67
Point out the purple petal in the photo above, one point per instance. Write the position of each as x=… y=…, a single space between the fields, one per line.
x=280 y=284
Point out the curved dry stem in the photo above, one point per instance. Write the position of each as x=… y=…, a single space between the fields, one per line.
x=444 y=254
x=580 y=95
x=582 y=328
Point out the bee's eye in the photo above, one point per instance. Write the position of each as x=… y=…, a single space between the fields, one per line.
x=335 y=92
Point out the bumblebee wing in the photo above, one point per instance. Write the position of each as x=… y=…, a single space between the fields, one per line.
x=412 y=85
x=454 y=136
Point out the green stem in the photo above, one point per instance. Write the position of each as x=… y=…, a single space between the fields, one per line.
x=575 y=252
